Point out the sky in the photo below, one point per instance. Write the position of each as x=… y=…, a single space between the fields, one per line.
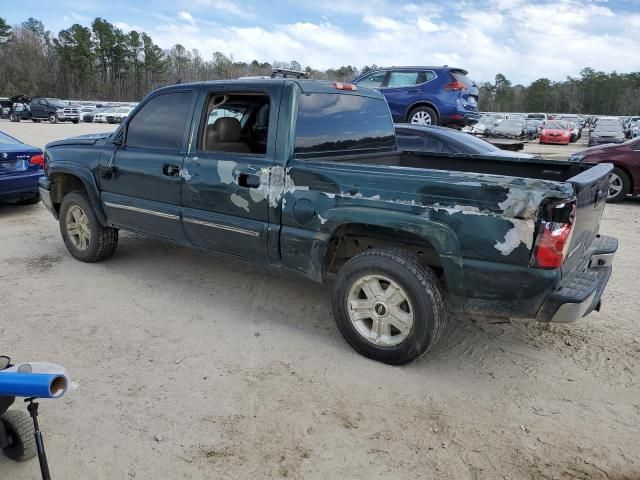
x=523 y=39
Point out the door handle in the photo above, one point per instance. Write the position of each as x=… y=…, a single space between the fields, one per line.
x=248 y=180
x=170 y=170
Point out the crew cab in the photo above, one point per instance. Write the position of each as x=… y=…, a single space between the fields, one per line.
x=43 y=108
x=306 y=176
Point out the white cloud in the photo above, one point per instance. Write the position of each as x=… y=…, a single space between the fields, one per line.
x=227 y=6
x=524 y=41
x=186 y=16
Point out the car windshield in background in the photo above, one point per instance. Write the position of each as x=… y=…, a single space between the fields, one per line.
x=7 y=140
x=608 y=128
x=489 y=120
x=510 y=125
x=55 y=101
x=555 y=125
x=536 y=116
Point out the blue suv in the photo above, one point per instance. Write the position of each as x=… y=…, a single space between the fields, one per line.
x=426 y=95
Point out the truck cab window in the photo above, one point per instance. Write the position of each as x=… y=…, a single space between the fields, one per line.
x=160 y=123
x=236 y=122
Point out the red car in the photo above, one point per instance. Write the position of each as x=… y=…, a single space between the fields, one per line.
x=625 y=179
x=555 y=131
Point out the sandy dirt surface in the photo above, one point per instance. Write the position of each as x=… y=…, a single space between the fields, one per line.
x=196 y=366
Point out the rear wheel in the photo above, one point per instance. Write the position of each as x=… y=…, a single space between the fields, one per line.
x=619 y=185
x=53 y=118
x=14 y=118
x=388 y=306
x=84 y=236
x=423 y=116
x=21 y=434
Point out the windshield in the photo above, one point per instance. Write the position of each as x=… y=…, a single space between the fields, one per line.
x=511 y=125
x=608 y=128
x=539 y=116
x=488 y=119
x=555 y=125
x=55 y=101
x=7 y=140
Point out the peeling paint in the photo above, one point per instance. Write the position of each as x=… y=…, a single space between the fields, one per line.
x=240 y=202
x=225 y=171
x=522 y=232
x=521 y=203
x=463 y=209
x=322 y=220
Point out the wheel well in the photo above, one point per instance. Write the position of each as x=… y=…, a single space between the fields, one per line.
x=351 y=239
x=620 y=167
x=61 y=184
x=421 y=104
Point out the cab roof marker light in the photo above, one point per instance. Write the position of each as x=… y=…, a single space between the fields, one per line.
x=344 y=86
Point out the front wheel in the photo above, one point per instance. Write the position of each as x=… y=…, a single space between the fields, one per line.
x=388 y=306
x=84 y=236
x=53 y=118
x=75 y=121
x=19 y=427
x=619 y=185
x=423 y=116
x=14 y=118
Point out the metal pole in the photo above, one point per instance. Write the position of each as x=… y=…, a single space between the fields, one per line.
x=42 y=456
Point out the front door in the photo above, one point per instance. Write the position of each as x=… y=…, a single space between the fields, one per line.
x=140 y=180
x=225 y=196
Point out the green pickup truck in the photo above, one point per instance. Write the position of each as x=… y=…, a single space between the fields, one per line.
x=305 y=175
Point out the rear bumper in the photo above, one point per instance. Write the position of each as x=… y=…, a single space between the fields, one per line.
x=580 y=295
x=461 y=118
x=17 y=187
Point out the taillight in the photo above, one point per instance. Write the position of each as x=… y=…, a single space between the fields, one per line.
x=554 y=236
x=455 y=86
x=37 y=160
x=344 y=86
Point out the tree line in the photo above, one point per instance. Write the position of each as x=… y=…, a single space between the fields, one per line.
x=103 y=62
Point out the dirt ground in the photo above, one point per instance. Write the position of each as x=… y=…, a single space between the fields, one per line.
x=191 y=365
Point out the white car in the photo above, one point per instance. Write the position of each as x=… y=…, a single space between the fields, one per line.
x=484 y=124
x=119 y=115
x=101 y=117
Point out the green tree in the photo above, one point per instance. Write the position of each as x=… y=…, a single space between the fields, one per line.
x=5 y=30
x=76 y=58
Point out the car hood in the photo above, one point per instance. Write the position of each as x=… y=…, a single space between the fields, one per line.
x=555 y=130
x=89 y=139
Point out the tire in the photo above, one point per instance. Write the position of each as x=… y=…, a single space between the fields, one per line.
x=19 y=427
x=422 y=299
x=53 y=118
x=423 y=116
x=619 y=186
x=14 y=118
x=99 y=244
x=75 y=121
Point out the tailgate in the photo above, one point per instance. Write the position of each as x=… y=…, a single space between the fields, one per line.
x=591 y=188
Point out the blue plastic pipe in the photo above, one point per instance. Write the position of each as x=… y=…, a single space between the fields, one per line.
x=37 y=385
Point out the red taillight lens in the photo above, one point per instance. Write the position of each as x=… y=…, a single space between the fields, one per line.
x=455 y=86
x=553 y=243
x=344 y=86
x=37 y=160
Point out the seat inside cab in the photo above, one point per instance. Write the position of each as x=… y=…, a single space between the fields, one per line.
x=236 y=123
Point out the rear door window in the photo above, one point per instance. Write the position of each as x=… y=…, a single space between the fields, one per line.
x=331 y=122
x=161 y=122
x=403 y=79
x=375 y=80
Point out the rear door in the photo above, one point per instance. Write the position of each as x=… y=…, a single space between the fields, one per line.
x=226 y=194
x=38 y=107
x=140 y=184
x=402 y=89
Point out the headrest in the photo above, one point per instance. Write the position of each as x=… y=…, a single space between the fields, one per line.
x=228 y=129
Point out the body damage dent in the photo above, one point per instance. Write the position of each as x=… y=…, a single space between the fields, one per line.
x=240 y=202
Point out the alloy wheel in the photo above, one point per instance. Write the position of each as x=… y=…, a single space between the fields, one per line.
x=78 y=228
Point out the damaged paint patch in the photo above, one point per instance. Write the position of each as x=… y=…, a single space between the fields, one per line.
x=240 y=202
x=522 y=232
x=521 y=203
x=225 y=171
x=463 y=209
x=322 y=220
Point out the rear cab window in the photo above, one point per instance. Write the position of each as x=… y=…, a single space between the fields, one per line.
x=330 y=123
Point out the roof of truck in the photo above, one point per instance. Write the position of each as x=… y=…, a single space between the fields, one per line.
x=306 y=85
